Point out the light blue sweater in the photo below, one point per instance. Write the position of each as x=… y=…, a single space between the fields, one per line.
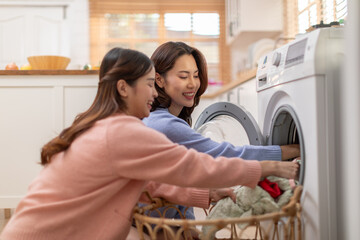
x=178 y=131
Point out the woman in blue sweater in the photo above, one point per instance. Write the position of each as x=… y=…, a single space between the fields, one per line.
x=181 y=78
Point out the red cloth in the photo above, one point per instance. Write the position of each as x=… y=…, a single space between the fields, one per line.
x=271 y=187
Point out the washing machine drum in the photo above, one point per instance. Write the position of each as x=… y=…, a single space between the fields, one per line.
x=224 y=121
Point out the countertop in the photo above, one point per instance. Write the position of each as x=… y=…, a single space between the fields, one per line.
x=241 y=78
x=49 y=72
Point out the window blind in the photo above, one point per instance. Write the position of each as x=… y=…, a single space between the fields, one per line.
x=299 y=15
x=144 y=25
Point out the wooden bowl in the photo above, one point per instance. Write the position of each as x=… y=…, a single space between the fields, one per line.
x=48 y=62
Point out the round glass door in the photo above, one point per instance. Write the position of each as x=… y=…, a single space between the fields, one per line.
x=228 y=122
x=224 y=128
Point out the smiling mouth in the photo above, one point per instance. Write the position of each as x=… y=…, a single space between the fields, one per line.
x=150 y=103
x=189 y=95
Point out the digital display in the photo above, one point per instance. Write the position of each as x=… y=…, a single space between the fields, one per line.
x=295 y=53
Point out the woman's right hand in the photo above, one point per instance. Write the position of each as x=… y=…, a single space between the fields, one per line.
x=280 y=169
x=290 y=151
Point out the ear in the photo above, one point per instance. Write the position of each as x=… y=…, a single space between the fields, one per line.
x=122 y=88
x=160 y=81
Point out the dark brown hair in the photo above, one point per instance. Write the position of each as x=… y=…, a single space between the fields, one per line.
x=164 y=59
x=117 y=64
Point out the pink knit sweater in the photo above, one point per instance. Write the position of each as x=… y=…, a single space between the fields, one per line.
x=89 y=191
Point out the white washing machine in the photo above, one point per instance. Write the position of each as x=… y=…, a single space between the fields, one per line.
x=297 y=100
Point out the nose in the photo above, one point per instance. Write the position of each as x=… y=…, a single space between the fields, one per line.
x=155 y=93
x=191 y=82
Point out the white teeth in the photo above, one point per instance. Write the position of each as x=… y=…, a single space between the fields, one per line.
x=189 y=94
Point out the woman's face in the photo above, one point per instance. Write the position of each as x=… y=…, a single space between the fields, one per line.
x=181 y=83
x=141 y=96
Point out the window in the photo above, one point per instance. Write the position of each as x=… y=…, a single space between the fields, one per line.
x=302 y=14
x=136 y=31
x=144 y=25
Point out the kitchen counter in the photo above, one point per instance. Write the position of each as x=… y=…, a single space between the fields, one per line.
x=241 y=78
x=49 y=72
x=241 y=91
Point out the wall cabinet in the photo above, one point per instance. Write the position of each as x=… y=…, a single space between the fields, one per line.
x=33 y=110
x=27 y=30
x=244 y=94
x=247 y=97
x=250 y=20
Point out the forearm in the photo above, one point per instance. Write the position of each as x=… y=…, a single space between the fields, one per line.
x=165 y=162
x=196 y=197
x=290 y=151
x=281 y=169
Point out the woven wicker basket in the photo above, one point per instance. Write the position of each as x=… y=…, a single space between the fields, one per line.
x=285 y=224
x=48 y=62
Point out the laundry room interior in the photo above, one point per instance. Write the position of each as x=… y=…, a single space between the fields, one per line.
x=282 y=73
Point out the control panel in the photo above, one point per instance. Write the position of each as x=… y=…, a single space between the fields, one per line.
x=307 y=55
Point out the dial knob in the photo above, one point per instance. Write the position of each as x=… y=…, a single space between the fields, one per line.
x=276 y=59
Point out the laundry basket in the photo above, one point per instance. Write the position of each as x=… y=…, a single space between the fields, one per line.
x=284 y=224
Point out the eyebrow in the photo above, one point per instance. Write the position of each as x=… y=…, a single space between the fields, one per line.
x=188 y=71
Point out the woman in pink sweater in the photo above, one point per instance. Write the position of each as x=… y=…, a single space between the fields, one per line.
x=96 y=170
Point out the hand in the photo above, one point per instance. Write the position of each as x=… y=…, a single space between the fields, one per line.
x=290 y=151
x=298 y=161
x=220 y=193
x=280 y=169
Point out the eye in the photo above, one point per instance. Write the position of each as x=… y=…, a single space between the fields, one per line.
x=183 y=77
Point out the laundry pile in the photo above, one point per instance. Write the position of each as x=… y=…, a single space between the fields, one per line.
x=270 y=195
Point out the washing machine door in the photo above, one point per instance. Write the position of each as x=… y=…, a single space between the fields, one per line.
x=224 y=121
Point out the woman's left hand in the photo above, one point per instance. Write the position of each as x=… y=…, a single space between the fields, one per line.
x=217 y=194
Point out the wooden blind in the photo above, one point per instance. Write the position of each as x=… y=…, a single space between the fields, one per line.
x=126 y=6
x=100 y=10
x=301 y=14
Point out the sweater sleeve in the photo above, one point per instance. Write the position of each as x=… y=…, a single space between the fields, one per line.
x=178 y=131
x=179 y=195
x=138 y=152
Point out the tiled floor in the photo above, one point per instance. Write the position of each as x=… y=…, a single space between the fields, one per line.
x=4 y=217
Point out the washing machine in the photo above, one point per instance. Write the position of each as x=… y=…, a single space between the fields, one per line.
x=297 y=103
